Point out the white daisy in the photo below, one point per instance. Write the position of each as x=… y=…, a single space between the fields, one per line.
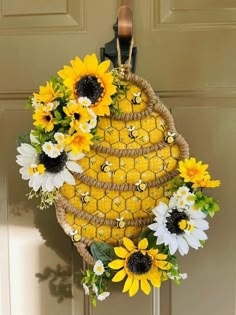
x=184 y=197
x=98 y=268
x=85 y=101
x=45 y=172
x=103 y=296
x=179 y=228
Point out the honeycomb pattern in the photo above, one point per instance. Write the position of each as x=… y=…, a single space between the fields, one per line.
x=130 y=205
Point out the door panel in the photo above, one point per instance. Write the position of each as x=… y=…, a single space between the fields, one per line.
x=186 y=50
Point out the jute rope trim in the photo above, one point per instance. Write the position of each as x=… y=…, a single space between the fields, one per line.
x=63 y=205
x=132 y=152
x=147 y=89
x=124 y=187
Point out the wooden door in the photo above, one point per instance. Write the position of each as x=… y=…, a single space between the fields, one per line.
x=186 y=50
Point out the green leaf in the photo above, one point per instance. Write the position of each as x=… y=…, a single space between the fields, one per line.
x=102 y=251
x=57 y=115
x=24 y=138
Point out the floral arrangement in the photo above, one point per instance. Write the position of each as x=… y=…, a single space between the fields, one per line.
x=66 y=112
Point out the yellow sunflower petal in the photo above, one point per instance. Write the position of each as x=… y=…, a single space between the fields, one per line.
x=143 y=244
x=91 y=63
x=78 y=66
x=161 y=256
x=103 y=67
x=128 y=244
x=163 y=264
x=116 y=264
x=119 y=276
x=128 y=284
x=121 y=252
x=153 y=252
x=155 y=279
x=134 y=287
x=145 y=286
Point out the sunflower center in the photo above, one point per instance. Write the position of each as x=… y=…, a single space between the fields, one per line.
x=173 y=221
x=53 y=165
x=89 y=87
x=76 y=116
x=139 y=264
x=48 y=118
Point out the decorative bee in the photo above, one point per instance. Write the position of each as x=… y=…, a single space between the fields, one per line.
x=106 y=167
x=185 y=225
x=85 y=198
x=133 y=133
x=169 y=137
x=136 y=98
x=75 y=236
x=120 y=223
x=140 y=186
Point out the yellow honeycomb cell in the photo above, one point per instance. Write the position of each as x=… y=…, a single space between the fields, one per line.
x=118 y=204
x=104 y=204
x=156 y=136
x=120 y=176
x=97 y=193
x=112 y=215
x=88 y=231
x=148 y=176
x=148 y=204
x=117 y=233
x=141 y=163
x=70 y=218
x=125 y=106
x=111 y=135
x=133 y=204
x=68 y=191
x=104 y=232
x=133 y=176
x=156 y=164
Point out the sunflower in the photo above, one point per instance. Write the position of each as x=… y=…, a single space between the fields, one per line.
x=43 y=118
x=191 y=170
x=46 y=94
x=90 y=79
x=78 y=114
x=78 y=142
x=140 y=265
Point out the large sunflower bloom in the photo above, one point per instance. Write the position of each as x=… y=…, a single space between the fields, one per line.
x=90 y=79
x=191 y=170
x=47 y=93
x=43 y=118
x=140 y=265
x=77 y=113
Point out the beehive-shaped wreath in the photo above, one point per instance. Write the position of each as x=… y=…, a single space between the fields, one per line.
x=104 y=151
x=126 y=174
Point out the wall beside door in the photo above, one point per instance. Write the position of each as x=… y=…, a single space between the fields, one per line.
x=186 y=50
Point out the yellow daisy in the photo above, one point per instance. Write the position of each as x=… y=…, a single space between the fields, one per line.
x=78 y=142
x=142 y=266
x=78 y=114
x=89 y=79
x=43 y=119
x=191 y=170
x=205 y=182
x=47 y=93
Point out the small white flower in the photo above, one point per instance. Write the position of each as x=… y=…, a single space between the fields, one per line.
x=51 y=150
x=93 y=123
x=183 y=276
x=182 y=192
x=103 y=296
x=85 y=127
x=98 y=268
x=85 y=101
x=34 y=103
x=86 y=289
x=59 y=137
x=95 y=289
x=48 y=107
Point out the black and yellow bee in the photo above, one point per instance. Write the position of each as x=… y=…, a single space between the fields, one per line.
x=106 y=167
x=140 y=186
x=133 y=132
x=137 y=99
x=169 y=137
x=120 y=223
x=75 y=236
x=185 y=225
x=85 y=198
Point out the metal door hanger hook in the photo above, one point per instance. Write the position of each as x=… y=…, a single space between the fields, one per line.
x=123 y=31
